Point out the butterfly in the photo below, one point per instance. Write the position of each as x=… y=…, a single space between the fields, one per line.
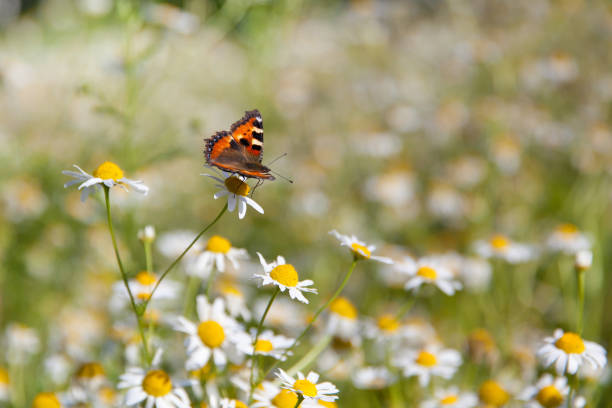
x=241 y=149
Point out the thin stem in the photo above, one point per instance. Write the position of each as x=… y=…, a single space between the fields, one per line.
x=148 y=256
x=299 y=401
x=580 y=294
x=311 y=355
x=259 y=328
x=211 y=280
x=178 y=259
x=405 y=309
x=138 y=315
x=316 y=315
x=190 y=294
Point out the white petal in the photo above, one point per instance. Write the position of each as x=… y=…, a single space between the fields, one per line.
x=253 y=204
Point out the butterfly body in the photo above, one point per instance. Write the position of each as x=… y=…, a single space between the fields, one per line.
x=239 y=150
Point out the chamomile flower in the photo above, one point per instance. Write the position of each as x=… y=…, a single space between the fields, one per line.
x=342 y=319
x=268 y=344
x=21 y=343
x=47 y=400
x=231 y=403
x=431 y=271
x=359 y=248
x=451 y=398
x=153 y=386
x=548 y=392
x=107 y=174
x=284 y=276
x=5 y=385
x=492 y=394
x=568 y=351
x=235 y=301
x=269 y=395
x=583 y=260
x=237 y=191
x=90 y=376
x=567 y=238
x=214 y=336
x=500 y=246
x=384 y=327
x=142 y=286
x=373 y=378
x=217 y=253
x=307 y=386
x=428 y=362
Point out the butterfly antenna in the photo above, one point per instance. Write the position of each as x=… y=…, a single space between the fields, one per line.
x=278 y=158
x=259 y=182
x=281 y=176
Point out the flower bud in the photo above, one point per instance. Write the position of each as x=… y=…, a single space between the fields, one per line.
x=147 y=234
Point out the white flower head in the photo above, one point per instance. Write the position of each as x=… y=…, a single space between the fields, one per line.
x=385 y=327
x=567 y=238
x=308 y=387
x=147 y=234
x=215 y=336
x=431 y=271
x=153 y=386
x=268 y=344
x=547 y=392
x=429 y=362
x=142 y=286
x=269 y=395
x=218 y=253
x=21 y=343
x=107 y=174
x=236 y=189
x=373 y=378
x=451 y=398
x=568 y=352
x=235 y=300
x=500 y=246
x=359 y=248
x=584 y=259
x=284 y=276
x=342 y=320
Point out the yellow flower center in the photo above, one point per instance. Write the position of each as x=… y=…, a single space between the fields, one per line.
x=218 y=244
x=305 y=387
x=157 y=383
x=107 y=395
x=108 y=171
x=426 y=359
x=571 y=343
x=427 y=272
x=146 y=278
x=263 y=346
x=567 y=229
x=451 y=399
x=229 y=289
x=90 y=370
x=491 y=393
x=361 y=250
x=388 y=323
x=46 y=400
x=343 y=307
x=499 y=242
x=285 y=399
x=237 y=186
x=549 y=397
x=211 y=333
x=285 y=275
x=143 y=296
x=4 y=376
x=329 y=404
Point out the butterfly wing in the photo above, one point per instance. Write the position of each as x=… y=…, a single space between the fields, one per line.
x=248 y=132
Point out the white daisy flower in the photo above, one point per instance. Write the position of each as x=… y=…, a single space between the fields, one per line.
x=147 y=234
x=342 y=320
x=583 y=260
x=307 y=386
x=107 y=174
x=431 y=270
x=284 y=276
x=385 y=327
x=5 y=385
x=567 y=238
x=548 y=392
x=21 y=343
x=429 y=362
x=231 y=403
x=142 y=286
x=373 y=378
x=215 y=336
x=568 y=351
x=88 y=381
x=234 y=300
x=218 y=252
x=236 y=190
x=153 y=386
x=451 y=398
x=268 y=344
x=269 y=395
x=500 y=246
x=359 y=248
x=49 y=400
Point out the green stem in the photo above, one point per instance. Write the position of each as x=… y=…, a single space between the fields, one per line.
x=299 y=401
x=580 y=294
x=148 y=256
x=124 y=277
x=311 y=355
x=178 y=259
x=211 y=280
x=190 y=294
x=316 y=315
x=405 y=309
x=259 y=328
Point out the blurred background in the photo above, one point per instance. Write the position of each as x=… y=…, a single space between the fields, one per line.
x=421 y=126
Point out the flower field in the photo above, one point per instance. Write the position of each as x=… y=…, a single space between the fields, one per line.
x=427 y=225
